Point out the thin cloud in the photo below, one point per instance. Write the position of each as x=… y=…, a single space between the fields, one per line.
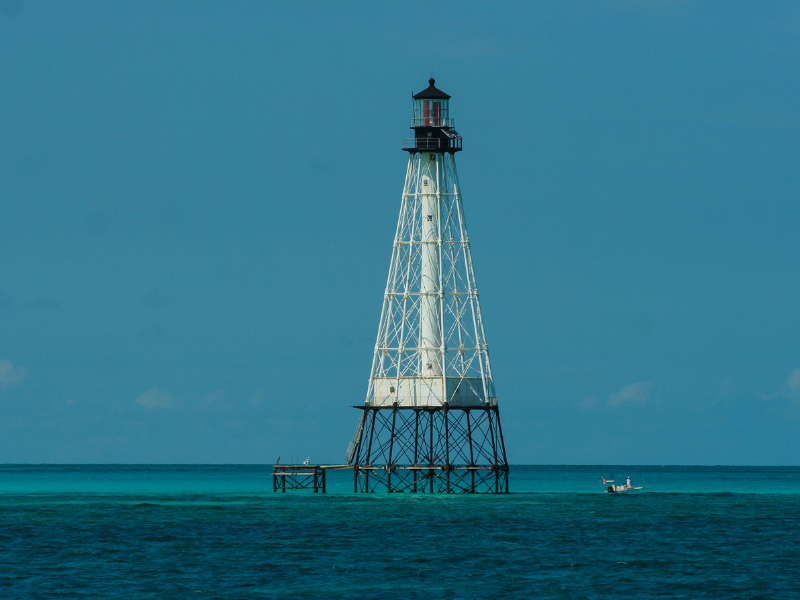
x=156 y=398
x=214 y=397
x=792 y=388
x=635 y=392
x=11 y=375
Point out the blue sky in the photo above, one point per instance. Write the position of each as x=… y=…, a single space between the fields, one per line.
x=198 y=199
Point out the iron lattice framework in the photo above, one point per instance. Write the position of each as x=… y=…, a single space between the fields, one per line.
x=431 y=346
x=433 y=450
x=430 y=421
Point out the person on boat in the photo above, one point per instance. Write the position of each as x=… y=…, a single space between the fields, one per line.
x=628 y=483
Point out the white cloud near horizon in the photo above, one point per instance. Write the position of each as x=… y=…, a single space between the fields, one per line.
x=792 y=390
x=634 y=392
x=156 y=398
x=11 y=375
x=215 y=396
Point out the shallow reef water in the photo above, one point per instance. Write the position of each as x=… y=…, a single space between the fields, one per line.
x=218 y=531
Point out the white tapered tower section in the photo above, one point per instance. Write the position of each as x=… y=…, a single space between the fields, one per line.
x=431 y=361
x=431 y=346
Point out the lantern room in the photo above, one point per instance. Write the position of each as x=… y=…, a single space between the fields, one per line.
x=431 y=107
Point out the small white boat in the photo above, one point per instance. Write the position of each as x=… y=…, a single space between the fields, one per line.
x=613 y=488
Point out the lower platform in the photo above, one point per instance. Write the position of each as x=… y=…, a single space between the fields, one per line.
x=432 y=449
x=444 y=479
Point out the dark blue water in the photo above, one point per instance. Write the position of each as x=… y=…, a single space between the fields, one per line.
x=220 y=532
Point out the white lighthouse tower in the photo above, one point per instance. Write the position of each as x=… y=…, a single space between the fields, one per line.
x=430 y=421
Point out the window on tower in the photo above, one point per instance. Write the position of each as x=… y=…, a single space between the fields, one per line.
x=431 y=113
x=436 y=113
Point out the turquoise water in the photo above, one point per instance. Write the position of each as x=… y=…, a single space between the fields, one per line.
x=155 y=531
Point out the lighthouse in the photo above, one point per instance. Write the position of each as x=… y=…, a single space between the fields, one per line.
x=430 y=421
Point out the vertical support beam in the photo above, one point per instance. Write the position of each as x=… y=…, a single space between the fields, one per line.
x=500 y=435
x=447 y=443
x=391 y=449
x=369 y=449
x=416 y=445
x=430 y=462
x=283 y=482
x=471 y=454
x=374 y=411
x=357 y=450
x=494 y=451
x=323 y=481
x=491 y=433
x=502 y=445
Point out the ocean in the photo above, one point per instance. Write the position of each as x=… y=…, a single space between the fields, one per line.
x=219 y=531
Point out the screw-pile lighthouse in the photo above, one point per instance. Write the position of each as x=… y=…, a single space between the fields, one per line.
x=430 y=422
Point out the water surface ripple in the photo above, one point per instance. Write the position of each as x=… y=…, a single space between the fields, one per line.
x=220 y=532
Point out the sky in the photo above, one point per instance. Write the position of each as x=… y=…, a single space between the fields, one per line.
x=198 y=201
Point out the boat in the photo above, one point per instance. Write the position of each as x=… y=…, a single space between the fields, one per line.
x=613 y=488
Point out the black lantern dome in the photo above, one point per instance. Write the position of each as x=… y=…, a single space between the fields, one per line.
x=432 y=92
